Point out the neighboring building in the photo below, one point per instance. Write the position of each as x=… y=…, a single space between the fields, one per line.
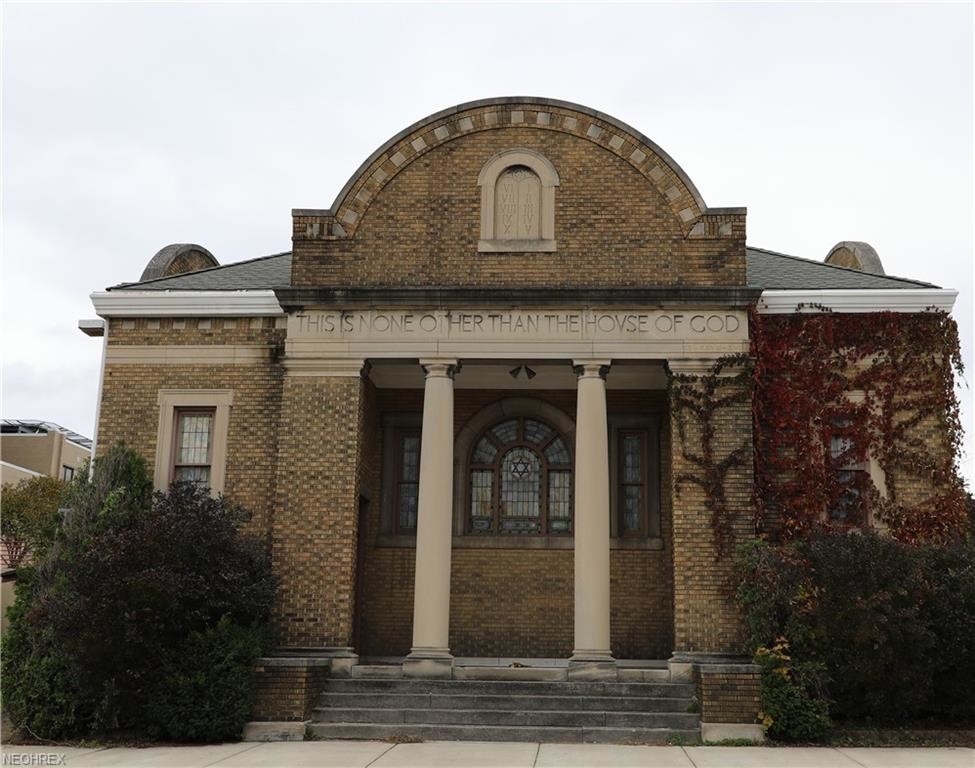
x=30 y=448
x=447 y=406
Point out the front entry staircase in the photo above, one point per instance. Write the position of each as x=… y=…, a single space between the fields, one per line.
x=378 y=703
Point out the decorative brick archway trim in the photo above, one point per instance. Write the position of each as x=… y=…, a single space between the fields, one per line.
x=543 y=114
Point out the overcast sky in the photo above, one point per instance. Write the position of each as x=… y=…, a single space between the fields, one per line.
x=127 y=127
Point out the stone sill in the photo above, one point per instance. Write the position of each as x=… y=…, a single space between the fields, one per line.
x=516 y=246
x=520 y=542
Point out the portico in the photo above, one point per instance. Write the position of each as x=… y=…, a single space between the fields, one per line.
x=511 y=360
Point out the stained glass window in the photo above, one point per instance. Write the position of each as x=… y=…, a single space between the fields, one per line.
x=506 y=432
x=632 y=481
x=194 y=436
x=560 y=500
x=482 y=488
x=521 y=477
x=537 y=432
x=520 y=480
x=557 y=453
x=485 y=452
x=409 y=479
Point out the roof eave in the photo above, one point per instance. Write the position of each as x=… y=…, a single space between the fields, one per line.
x=860 y=300
x=254 y=303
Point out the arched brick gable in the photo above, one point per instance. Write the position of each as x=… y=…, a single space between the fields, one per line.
x=544 y=114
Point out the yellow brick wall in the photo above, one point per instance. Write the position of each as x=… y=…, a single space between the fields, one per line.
x=130 y=411
x=614 y=227
x=706 y=618
x=317 y=509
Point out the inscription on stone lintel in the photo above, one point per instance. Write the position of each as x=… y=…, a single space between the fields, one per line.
x=582 y=324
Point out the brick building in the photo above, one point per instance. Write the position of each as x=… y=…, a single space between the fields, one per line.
x=447 y=406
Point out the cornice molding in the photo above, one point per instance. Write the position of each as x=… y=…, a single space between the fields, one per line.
x=857 y=301
x=274 y=303
x=186 y=303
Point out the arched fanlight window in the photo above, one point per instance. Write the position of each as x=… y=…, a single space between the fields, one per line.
x=520 y=480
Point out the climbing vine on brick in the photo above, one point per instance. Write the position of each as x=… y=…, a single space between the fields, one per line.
x=834 y=390
x=697 y=403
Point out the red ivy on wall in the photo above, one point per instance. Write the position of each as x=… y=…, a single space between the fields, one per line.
x=696 y=400
x=832 y=390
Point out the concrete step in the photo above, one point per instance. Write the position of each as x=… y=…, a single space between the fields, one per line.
x=511 y=687
x=380 y=671
x=546 y=718
x=551 y=674
x=644 y=675
x=430 y=732
x=423 y=701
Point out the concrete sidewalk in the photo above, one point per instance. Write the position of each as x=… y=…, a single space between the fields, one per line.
x=377 y=754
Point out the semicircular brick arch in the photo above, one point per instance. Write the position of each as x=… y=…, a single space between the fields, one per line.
x=545 y=114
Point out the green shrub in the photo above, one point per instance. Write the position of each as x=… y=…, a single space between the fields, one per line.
x=777 y=595
x=950 y=611
x=129 y=582
x=40 y=691
x=892 y=625
x=870 y=628
x=794 y=707
x=206 y=688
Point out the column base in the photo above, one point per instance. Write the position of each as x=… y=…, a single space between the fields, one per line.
x=429 y=663
x=592 y=665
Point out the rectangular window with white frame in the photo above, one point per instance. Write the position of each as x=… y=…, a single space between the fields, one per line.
x=191 y=444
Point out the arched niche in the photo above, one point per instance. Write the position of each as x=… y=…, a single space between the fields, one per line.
x=518 y=202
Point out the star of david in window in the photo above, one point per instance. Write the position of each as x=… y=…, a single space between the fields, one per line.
x=520 y=467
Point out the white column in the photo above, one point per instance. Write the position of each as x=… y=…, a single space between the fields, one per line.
x=430 y=654
x=591 y=525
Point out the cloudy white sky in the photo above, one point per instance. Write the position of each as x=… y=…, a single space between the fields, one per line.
x=130 y=126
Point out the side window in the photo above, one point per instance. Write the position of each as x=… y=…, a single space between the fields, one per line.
x=191 y=441
x=634 y=464
x=850 y=470
x=400 y=473
x=193 y=446
x=407 y=479
x=854 y=470
x=633 y=473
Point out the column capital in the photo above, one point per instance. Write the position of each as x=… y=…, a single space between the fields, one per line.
x=591 y=369
x=440 y=367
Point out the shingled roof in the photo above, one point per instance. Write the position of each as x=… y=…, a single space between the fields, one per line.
x=771 y=270
x=262 y=273
x=765 y=269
